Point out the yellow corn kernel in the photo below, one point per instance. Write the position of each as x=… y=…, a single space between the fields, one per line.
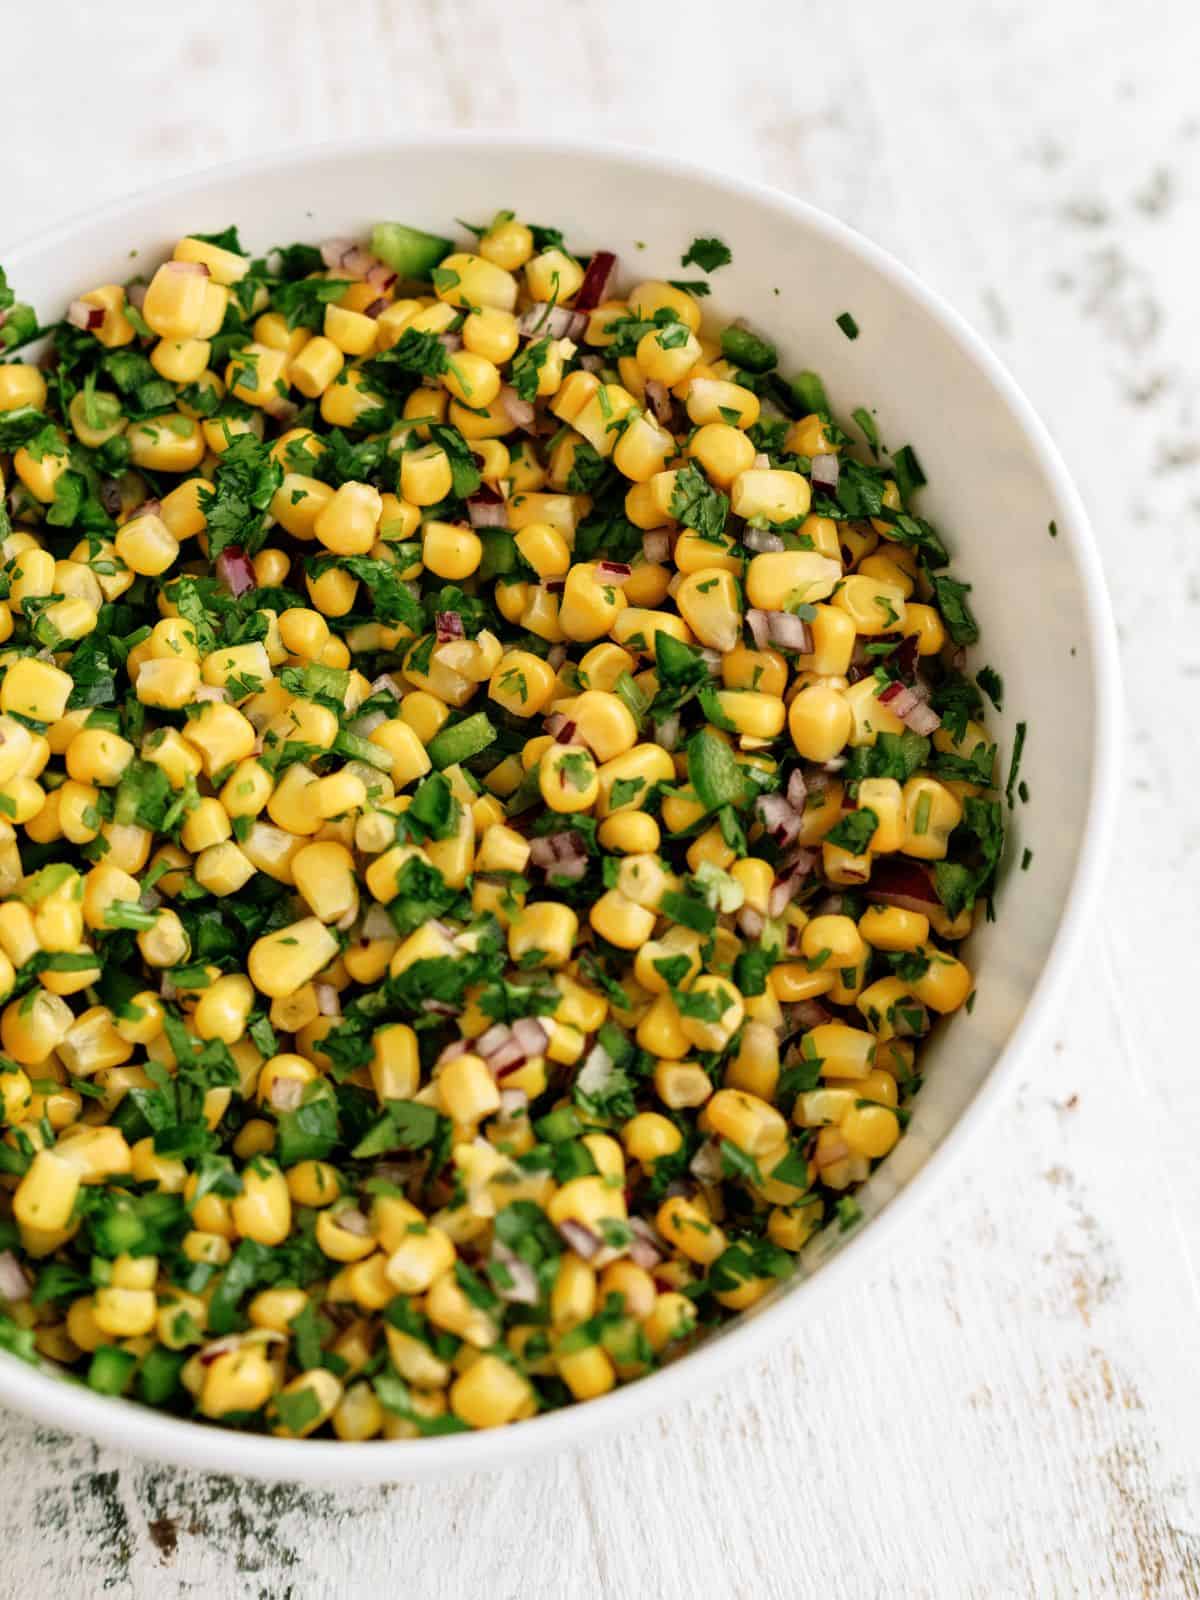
x=287 y=959
x=708 y=602
x=21 y=384
x=450 y=550
x=175 y=300
x=568 y=779
x=471 y=280
x=167 y=443
x=223 y=868
x=347 y=524
x=45 y=1196
x=653 y=295
x=263 y=1210
x=650 y=1136
x=931 y=814
x=893 y=928
x=673 y=1317
x=924 y=624
x=683 y=1225
x=35 y=689
x=872 y=605
x=945 y=985
x=781 y=578
x=770 y=493
x=547 y=927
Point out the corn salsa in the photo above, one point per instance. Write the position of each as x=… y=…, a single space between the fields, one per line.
x=490 y=794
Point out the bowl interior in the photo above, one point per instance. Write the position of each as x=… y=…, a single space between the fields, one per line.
x=995 y=490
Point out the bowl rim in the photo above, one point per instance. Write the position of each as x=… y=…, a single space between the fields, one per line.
x=125 y=1424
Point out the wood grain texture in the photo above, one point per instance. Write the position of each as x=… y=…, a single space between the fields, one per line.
x=1008 y=1405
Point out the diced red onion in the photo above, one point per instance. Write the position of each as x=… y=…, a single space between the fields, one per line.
x=346 y=255
x=211 y=691
x=513 y=1102
x=783 y=892
x=797 y=790
x=376 y=308
x=494 y=1039
x=902 y=1019
x=364 y=727
x=902 y=702
x=329 y=1001
x=148 y=508
x=450 y=342
x=597 y=1069
x=760 y=628
x=789 y=632
x=438 y=1008
x=762 y=541
x=712 y=660
x=557 y=322
x=897 y=882
x=563 y=728
x=592 y=362
x=778 y=818
x=825 y=473
x=556 y=655
x=386 y=683
x=542 y=852
x=380 y=277
x=136 y=295
x=554 y=585
x=286 y=1094
x=377 y=924
x=219 y=1347
x=353 y=1222
x=580 y=1239
x=666 y=732
x=82 y=315
x=508 y=1058
x=903 y=661
x=343 y=925
x=751 y=922
x=572 y=869
x=616 y=573
x=456 y=1048
x=646 y=1248
x=448 y=625
x=832 y=1149
x=520 y=412
x=659 y=399
x=14 y=1285
x=281 y=410
x=656 y=545
x=522 y=1286
x=166 y=985
x=806 y=1014
x=487 y=509
x=762 y=462
x=530 y=1035
x=706 y=1164
x=195 y=269
x=236 y=570
x=596 y=280
x=150 y=900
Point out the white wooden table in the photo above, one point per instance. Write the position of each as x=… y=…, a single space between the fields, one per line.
x=1008 y=1406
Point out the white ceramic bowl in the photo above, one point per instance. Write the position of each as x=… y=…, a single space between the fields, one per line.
x=996 y=484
